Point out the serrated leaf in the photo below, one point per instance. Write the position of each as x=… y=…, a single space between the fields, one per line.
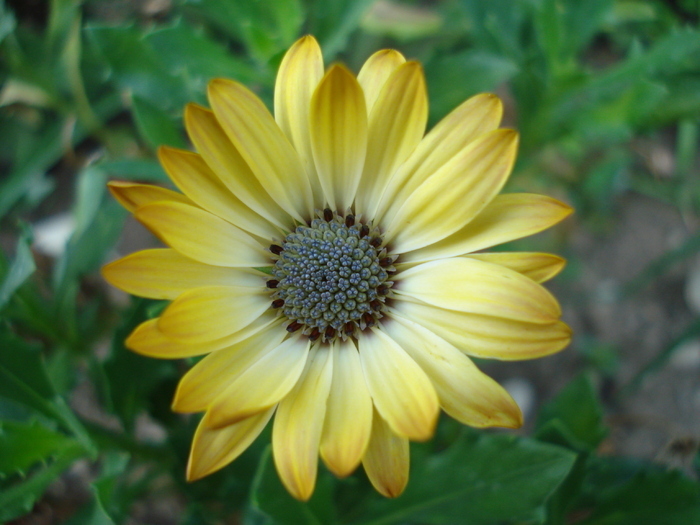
x=181 y=49
x=265 y=31
x=136 y=68
x=19 y=498
x=156 y=127
x=25 y=444
x=479 y=480
x=651 y=497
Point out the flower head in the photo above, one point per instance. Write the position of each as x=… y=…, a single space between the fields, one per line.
x=329 y=260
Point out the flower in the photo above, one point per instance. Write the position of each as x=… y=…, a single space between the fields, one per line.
x=329 y=261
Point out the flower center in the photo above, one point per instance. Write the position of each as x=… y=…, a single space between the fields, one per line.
x=331 y=277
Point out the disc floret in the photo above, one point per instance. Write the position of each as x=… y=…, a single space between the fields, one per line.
x=331 y=277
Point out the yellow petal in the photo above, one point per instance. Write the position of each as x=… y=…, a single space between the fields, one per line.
x=225 y=160
x=478 y=115
x=348 y=421
x=396 y=126
x=376 y=71
x=402 y=393
x=146 y=339
x=165 y=274
x=202 y=236
x=539 y=267
x=478 y=287
x=339 y=136
x=214 y=312
x=466 y=393
x=489 y=337
x=206 y=380
x=508 y=217
x=296 y=433
x=132 y=195
x=196 y=180
x=213 y=449
x=456 y=193
x=263 y=384
x=387 y=459
x=300 y=72
x=259 y=140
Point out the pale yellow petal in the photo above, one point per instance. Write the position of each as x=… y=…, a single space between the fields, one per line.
x=348 y=421
x=213 y=449
x=489 y=337
x=376 y=71
x=202 y=236
x=401 y=391
x=539 y=267
x=508 y=217
x=296 y=433
x=478 y=287
x=466 y=393
x=224 y=159
x=263 y=384
x=214 y=312
x=396 y=126
x=212 y=375
x=455 y=194
x=163 y=273
x=196 y=180
x=300 y=72
x=478 y=115
x=272 y=159
x=386 y=461
x=339 y=136
x=148 y=340
x=133 y=195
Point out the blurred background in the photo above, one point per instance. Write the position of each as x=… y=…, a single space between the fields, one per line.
x=606 y=96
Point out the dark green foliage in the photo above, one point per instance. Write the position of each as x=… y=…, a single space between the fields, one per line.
x=89 y=93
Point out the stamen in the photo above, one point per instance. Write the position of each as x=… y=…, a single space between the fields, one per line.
x=350 y=220
x=315 y=334
x=376 y=242
x=364 y=231
x=328 y=215
x=276 y=249
x=277 y=303
x=293 y=326
x=272 y=283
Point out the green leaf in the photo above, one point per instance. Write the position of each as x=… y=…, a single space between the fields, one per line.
x=135 y=169
x=576 y=413
x=271 y=499
x=649 y=498
x=18 y=499
x=93 y=513
x=155 y=125
x=332 y=22
x=7 y=21
x=456 y=77
x=19 y=270
x=25 y=444
x=480 y=479
x=43 y=149
x=23 y=379
x=136 y=68
x=182 y=49
x=264 y=30
x=130 y=378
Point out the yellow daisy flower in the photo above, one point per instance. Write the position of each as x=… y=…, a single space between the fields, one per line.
x=329 y=262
